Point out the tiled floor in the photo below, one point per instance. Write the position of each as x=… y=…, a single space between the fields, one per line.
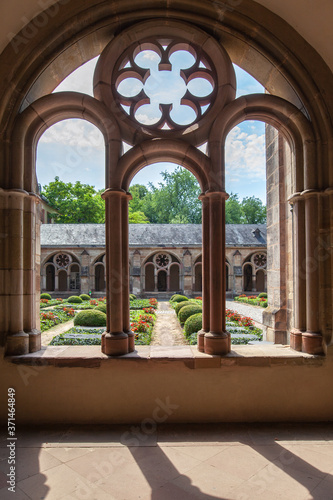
x=176 y=462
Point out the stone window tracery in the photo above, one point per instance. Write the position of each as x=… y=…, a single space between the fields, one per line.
x=260 y=260
x=158 y=78
x=62 y=260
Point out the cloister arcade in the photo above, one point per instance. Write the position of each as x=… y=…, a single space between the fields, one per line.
x=175 y=269
x=292 y=60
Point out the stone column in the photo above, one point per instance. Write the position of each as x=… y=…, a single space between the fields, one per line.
x=125 y=267
x=29 y=239
x=205 y=273
x=217 y=340
x=12 y=262
x=299 y=272
x=114 y=341
x=312 y=339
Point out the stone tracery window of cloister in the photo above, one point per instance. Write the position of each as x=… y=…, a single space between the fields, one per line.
x=171 y=140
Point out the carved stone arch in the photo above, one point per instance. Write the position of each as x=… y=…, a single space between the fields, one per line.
x=282 y=115
x=47 y=111
x=174 y=151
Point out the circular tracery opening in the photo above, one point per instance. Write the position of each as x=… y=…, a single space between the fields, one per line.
x=165 y=84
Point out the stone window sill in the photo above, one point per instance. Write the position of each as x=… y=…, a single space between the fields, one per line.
x=241 y=355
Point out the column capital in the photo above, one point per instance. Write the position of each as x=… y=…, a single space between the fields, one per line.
x=113 y=192
x=216 y=194
x=14 y=192
x=309 y=193
x=294 y=198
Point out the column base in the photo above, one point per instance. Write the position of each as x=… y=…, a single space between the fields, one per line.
x=201 y=340
x=296 y=340
x=131 y=341
x=17 y=344
x=312 y=343
x=115 y=344
x=35 y=340
x=217 y=343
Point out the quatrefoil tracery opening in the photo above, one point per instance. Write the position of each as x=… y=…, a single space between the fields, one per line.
x=141 y=87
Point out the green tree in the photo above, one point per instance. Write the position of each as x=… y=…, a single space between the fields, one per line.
x=254 y=211
x=138 y=192
x=174 y=200
x=233 y=210
x=76 y=203
x=82 y=204
x=137 y=217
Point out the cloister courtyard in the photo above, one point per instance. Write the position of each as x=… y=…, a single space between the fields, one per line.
x=192 y=360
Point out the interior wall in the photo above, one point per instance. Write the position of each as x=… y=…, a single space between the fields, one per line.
x=129 y=391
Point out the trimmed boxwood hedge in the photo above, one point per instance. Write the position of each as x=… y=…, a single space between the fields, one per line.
x=84 y=296
x=132 y=296
x=188 y=311
x=181 y=304
x=101 y=307
x=74 y=299
x=193 y=324
x=262 y=295
x=90 y=318
x=45 y=296
x=178 y=298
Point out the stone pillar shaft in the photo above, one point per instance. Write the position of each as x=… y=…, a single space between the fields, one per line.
x=115 y=342
x=12 y=292
x=125 y=272
x=217 y=340
x=205 y=265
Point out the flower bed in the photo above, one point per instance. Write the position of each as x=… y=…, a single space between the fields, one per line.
x=141 y=303
x=240 y=327
x=49 y=319
x=252 y=300
x=142 y=326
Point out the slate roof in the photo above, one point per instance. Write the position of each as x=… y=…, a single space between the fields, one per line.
x=149 y=235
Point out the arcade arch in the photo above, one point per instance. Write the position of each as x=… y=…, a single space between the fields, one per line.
x=178 y=143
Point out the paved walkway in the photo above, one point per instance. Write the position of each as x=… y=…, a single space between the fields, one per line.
x=56 y=330
x=167 y=331
x=171 y=462
x=253 y=312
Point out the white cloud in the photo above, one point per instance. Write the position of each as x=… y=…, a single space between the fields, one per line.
x=245 y=156
x=77 y=133
x=150 y=55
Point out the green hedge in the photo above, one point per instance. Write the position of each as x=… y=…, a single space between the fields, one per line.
x=74 y=299
x=262 y=295
x=179 y=305
x=90 y=318
x=84 y=296
x=188 y=311
x=45 y=296
x=193 y=324
x=132 y=296
x=178 y=298
x=101 y=307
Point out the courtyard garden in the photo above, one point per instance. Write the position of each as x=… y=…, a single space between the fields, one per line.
x=89 y=317
x=253 y=300
x=189 y=312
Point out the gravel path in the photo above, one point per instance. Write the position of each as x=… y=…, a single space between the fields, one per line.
x=56 y=330
x=167 y=330
x=253 y=312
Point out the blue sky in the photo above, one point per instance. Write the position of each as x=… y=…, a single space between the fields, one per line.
x=74 y=149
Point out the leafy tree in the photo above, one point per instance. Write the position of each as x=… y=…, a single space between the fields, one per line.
x=233 y=210
x=254 y=211
x=138 y=192
x=174 y=200
x=137 y=217
x=81 y=203
x=76 y=203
